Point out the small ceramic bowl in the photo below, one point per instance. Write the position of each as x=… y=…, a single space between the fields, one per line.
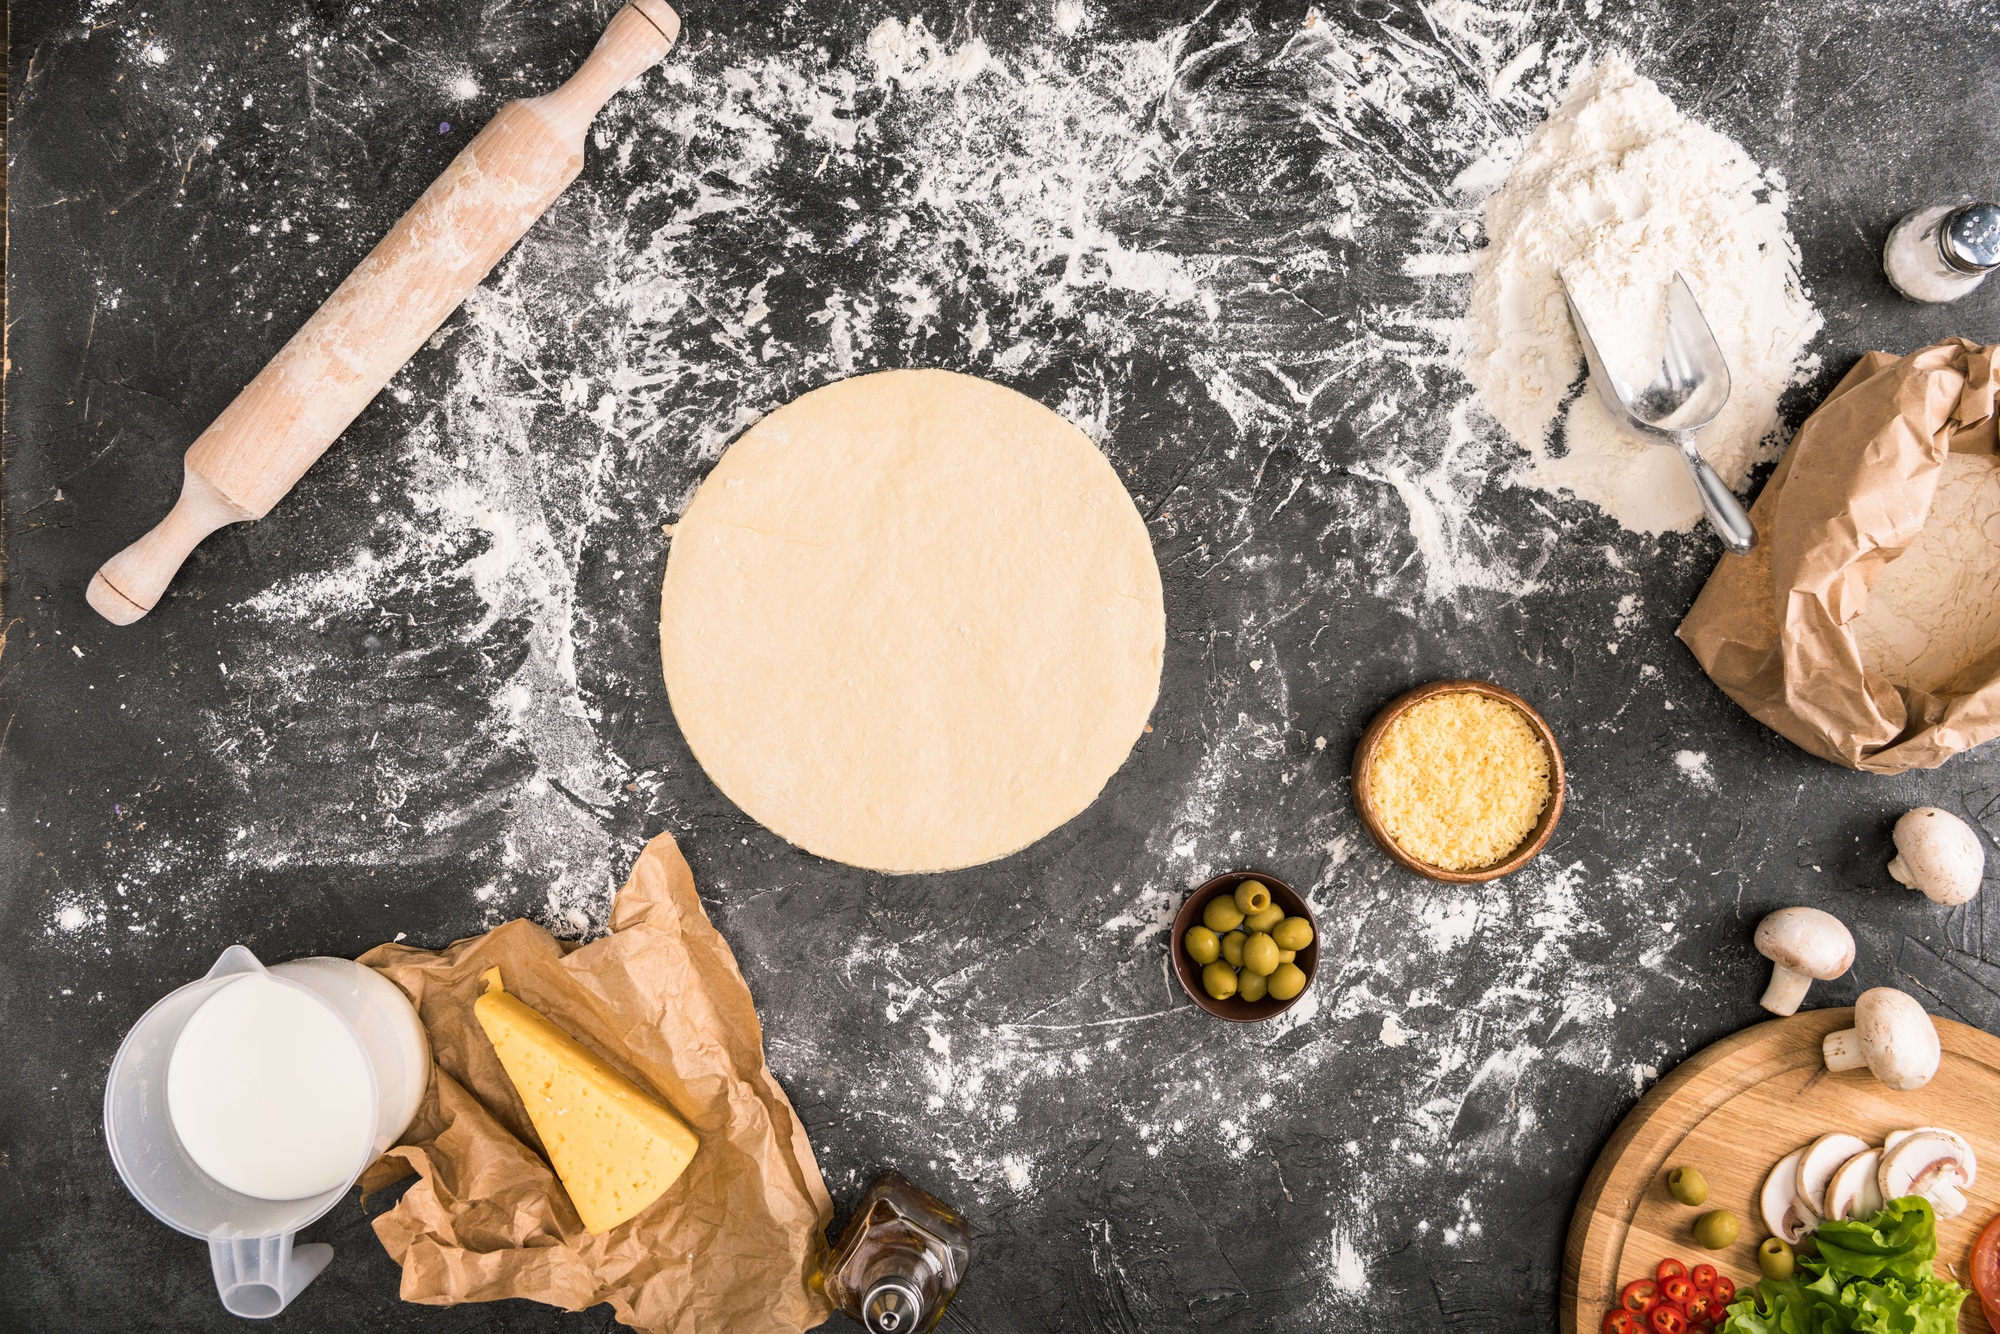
x=1236 y=1009
x=1364 y=756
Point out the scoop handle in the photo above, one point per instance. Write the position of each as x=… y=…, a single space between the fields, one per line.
x=1725 y=513
x=393 y=301
x=257 y=1277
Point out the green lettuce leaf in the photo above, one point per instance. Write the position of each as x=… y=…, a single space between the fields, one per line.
x=1789 y=1306
x=1872 y=1277
x=1898 y=1242
x=1889 y=1307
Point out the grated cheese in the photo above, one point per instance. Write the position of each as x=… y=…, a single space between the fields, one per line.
x=1459 y=780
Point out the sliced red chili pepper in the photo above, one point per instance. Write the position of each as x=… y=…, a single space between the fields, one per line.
x=1639 y=1294
x=1618 y=1320
x=1669 y=1268
x=1666 y=1318
x=1700 y=1309
x=1677 y=1288
x=1721 y=1293
x=1703 y=1277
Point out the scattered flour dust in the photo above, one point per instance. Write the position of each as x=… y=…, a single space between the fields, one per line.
x=1450 y=924
x=1466 y=1062
x=1041 y=212
x=1693 y=765
x=1617 y=192
x=1931 y=613
x=1346 y=1271
x=1044 y=207
x=559 y=444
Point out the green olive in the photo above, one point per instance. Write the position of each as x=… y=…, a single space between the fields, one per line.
x=1260 y=955
x=1251 y=986
x=1232 y=948
x=1716 y=1229
x=1294 y=933
x=1286 y=981
x=1203 y=945
x=1776 y=1259
x=1286 y=956
x=1222 y=914
x=1264 y=921
x=1219 y=981
x=1687 y=1185
x=1252 y=896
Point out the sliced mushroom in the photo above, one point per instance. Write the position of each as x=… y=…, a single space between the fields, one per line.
x=1892 y=1036
x=1802 y=944
x=1784 y=1216
x=1938 y=853
x=1853 y=1191
x=1817 y=1164
x=1926 y=1163
x=1968 y=1161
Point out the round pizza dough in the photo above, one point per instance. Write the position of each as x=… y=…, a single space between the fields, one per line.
x=912 y=621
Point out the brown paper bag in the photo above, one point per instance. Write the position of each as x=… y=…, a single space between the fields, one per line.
x=729 y=1247
x=1849 y=496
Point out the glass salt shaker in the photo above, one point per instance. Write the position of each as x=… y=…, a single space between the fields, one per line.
x=1942 y=252
x=900 y=1260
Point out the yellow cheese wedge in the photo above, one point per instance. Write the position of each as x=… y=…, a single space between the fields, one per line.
x=616 y=1148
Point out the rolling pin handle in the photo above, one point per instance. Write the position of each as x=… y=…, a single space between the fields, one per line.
x=637 y=38
x=662 y=16
x=128 y=584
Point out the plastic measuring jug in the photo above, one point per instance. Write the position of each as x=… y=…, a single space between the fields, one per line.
x=257 y=1269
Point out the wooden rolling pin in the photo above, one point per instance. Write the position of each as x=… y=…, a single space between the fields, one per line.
x=301 y=401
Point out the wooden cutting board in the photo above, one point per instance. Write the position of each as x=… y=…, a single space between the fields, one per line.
x=1733 y=1110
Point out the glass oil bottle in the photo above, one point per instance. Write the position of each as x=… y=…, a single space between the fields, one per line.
x=900 y=1260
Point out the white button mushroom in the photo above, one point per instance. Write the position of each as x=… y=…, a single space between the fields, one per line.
x=1802 y=944
x=1939 y=854
x=1892 y=1036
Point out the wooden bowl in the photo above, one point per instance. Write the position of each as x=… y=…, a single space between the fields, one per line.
x=1364 y=797
x=1237 y=1010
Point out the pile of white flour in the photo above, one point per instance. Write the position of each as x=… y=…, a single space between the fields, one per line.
x=1618 y=190
x=1931 y=613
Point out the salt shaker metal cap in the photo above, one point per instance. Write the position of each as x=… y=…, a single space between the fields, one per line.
x=1969 y=240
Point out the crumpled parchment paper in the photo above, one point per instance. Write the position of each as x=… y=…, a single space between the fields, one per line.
x=730 y=1246
x=1850 y=495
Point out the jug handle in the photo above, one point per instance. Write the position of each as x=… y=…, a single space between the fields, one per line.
x=259 y=1276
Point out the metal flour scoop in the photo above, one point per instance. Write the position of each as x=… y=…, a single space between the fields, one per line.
x=1686 y=395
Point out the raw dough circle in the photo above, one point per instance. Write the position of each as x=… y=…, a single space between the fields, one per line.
x=912 y=621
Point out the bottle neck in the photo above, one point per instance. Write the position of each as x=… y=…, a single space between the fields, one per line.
x=893 y=1306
